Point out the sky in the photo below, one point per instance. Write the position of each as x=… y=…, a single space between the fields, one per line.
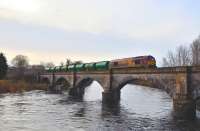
x=96 y=30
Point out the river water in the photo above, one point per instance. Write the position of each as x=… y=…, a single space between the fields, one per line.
x=141 y=109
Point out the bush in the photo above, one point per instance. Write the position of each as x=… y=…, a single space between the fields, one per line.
x=8 y=86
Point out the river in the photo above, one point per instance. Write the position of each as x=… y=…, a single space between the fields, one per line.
x=141 y=109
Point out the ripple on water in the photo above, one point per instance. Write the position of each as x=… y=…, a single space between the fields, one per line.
x=37 y=110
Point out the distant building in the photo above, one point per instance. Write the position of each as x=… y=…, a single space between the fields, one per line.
x=31 y=73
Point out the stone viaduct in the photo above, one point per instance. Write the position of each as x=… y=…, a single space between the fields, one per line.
x=181 y=83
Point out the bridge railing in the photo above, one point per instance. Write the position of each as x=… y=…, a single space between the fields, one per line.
x=178 y=69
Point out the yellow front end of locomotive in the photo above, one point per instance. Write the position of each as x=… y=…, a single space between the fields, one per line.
x=152 y=63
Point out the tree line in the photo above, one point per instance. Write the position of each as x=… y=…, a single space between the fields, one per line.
x=66 y=63
x=184 y=55
x=20 y=63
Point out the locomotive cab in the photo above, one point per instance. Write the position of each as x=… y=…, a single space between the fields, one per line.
x=151 y=61
x=134 y=62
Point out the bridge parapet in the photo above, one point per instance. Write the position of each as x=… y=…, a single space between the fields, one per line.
x=195 y=69
x=163 y=70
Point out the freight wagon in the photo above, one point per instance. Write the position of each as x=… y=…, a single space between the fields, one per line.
x=132 y=62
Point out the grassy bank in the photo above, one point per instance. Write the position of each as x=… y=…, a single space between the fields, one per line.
x=9 y=86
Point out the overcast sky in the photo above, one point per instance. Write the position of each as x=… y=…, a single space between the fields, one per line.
x=95 y=30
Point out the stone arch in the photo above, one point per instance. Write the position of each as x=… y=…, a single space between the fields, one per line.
x=79 y=89
x=86 y=81
x=136 y=81
x=152 y=83
x=63 y=83
x=45 y=80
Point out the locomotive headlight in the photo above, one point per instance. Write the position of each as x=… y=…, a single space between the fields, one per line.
x=151 y=62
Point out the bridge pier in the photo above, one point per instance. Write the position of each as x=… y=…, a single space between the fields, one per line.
x=111 y=97
x=76 y=92
x=184 y=107
x=182 y=84
x=183 y=103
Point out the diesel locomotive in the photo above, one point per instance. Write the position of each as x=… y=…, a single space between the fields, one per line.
x=132 y=62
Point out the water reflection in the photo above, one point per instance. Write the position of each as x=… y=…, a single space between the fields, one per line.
x=93 y=92
x=140 y=109
x=146 y=101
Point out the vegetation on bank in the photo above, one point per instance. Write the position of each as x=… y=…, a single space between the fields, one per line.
x=19 y=78
x=10 y=86
x=3 y=66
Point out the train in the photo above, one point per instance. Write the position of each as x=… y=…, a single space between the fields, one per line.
x=132 y=62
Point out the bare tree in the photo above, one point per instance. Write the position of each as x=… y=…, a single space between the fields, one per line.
x=49 y=65
x=20 y=61
x=68 y=61
x=62 y=64
x=195 y=51
x=170 y=60
x=165 y=62
x=181 y=57
x=77 y=62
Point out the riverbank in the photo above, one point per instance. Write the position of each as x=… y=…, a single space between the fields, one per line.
x=10 y=86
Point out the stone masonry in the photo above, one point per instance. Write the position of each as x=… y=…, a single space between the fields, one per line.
x=181 y=83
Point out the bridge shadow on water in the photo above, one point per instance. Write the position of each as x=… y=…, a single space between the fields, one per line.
x=140 y=108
